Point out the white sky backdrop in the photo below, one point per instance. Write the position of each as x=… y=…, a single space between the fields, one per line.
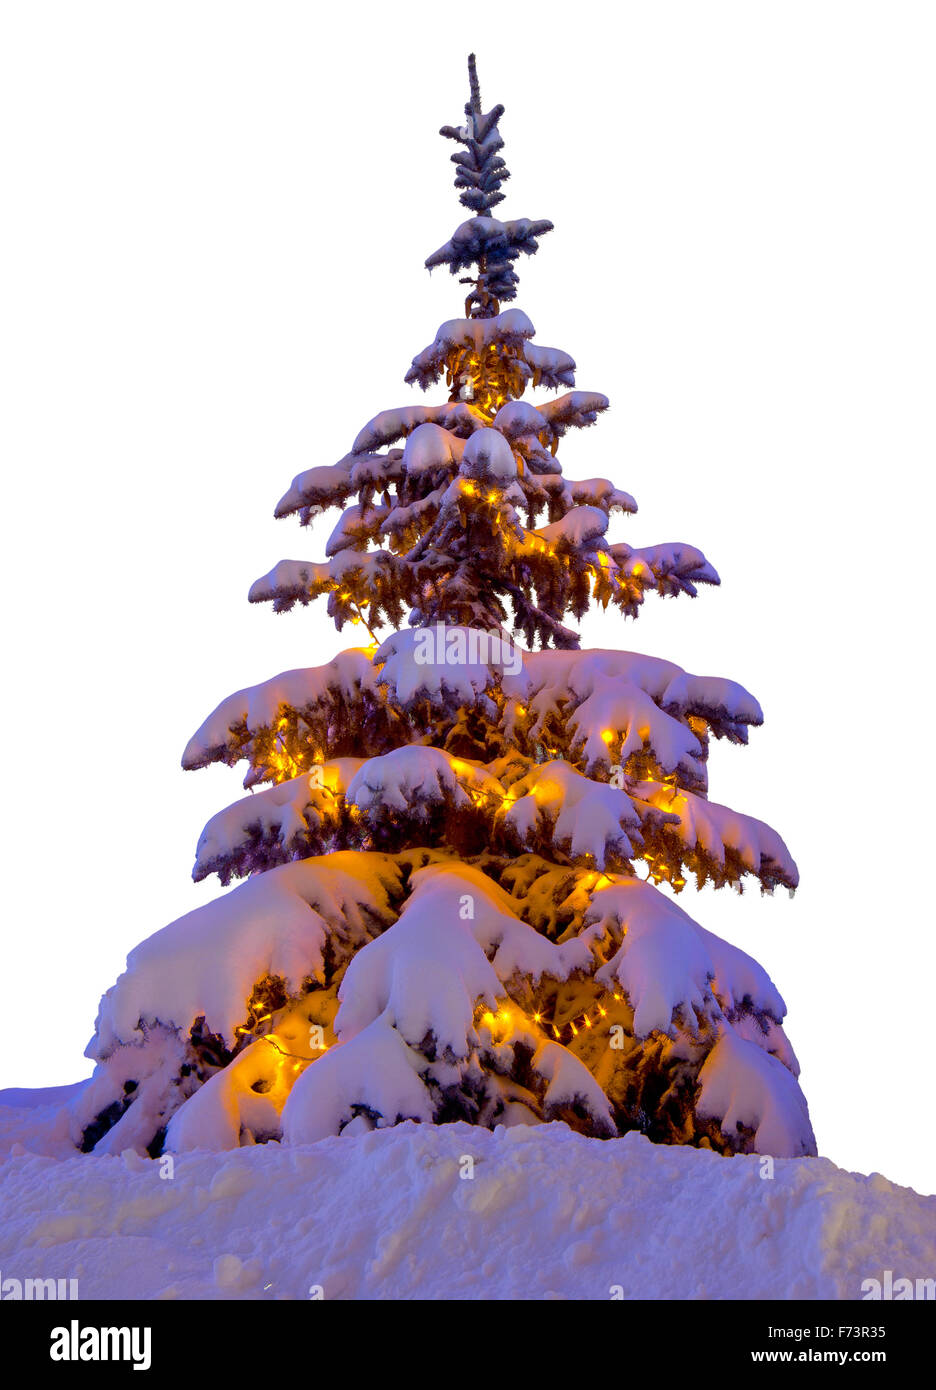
x=214 y=223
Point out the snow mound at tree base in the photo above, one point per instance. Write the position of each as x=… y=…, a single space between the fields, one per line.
x=394 y=1214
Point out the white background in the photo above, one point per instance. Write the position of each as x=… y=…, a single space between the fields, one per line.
x=213 y=228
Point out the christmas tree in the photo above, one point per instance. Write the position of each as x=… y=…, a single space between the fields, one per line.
x=461 y=855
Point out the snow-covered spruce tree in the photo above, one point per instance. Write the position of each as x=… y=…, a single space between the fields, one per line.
x=462 y=865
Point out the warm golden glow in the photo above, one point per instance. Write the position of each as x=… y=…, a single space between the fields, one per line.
x=488 y=381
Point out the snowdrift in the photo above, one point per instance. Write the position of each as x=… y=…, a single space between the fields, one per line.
x=449 y=1212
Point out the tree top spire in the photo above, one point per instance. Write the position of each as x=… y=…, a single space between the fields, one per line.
x=483 y=241
x=481 y=171
x=474 y=86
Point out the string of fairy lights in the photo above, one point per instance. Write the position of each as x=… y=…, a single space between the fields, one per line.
x=584 y=1021
x=272 y=1040
x=661 y=867
x=486 y=379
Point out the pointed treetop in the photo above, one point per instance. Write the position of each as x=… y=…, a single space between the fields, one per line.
x=481 y=171
x=475 y=87
x=487 y=243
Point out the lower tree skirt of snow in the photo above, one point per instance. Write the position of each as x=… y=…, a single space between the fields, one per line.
x=394 y=1214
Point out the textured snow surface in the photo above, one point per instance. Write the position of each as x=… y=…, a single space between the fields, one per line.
x=266 y=926
x=547 y=1214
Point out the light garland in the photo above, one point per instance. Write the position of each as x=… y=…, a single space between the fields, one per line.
x=661 y=866
x=485 y=381
x=565 y=1032
x=285 y=764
